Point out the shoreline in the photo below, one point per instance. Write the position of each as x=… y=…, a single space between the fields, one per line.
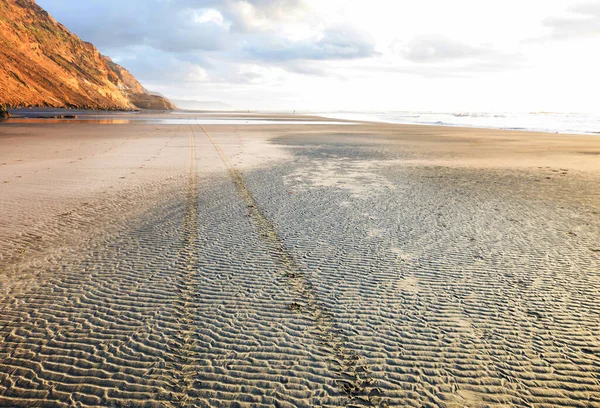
x=360 y=118
x=83 y=116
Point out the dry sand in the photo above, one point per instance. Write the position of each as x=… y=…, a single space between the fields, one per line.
x=298 y=265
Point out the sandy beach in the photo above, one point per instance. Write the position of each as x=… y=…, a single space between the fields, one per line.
x=159 y=263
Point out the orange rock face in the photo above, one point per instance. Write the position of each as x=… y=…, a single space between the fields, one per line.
x=44 y=64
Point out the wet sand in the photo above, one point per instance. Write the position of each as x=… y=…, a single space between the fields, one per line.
x=297 y=265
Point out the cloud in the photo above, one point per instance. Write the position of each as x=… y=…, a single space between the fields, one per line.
x=173 y=25
x=183 y=38
x=340 y=43
x=306 y=68
x=249 y=16
x=149 y=64
x=583 y=20
x=436 y=55
x=295 y=46
x=437 y=48
x=457 y=70
x=154 y=66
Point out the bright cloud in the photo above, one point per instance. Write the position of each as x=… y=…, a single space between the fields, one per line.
x=208 y=16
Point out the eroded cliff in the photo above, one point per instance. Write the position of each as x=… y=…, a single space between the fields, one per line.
x=44 y=64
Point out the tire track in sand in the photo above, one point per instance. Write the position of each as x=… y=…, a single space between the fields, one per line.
x=355 y=382
x=182 y=363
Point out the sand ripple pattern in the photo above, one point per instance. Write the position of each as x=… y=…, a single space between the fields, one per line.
x=355 y=380
x=392 y=286
x=459 y=287
x=188 y=308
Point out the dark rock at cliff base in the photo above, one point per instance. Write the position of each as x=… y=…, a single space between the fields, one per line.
x=4 y=114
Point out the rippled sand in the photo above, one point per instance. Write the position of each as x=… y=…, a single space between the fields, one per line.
x=298 y=265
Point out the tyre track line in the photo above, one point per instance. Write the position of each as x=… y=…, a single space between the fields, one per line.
x=182 y=365
x=356 y=382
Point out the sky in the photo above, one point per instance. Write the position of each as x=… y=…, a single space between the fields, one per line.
x=367 y=55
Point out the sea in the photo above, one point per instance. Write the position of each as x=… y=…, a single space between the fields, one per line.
x=577 y=123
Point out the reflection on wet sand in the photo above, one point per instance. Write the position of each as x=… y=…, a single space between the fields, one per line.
x=232 y=121
x=173 y=118
x=69 y=121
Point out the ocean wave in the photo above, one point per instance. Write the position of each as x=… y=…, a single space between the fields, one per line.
x=568 y=123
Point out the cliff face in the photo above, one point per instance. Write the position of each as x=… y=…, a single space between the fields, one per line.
x=43 y=64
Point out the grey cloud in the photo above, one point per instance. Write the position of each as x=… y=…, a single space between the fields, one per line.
x=273 y=10
x=277 y=8
x=335 y=44
x=584 y=20
x=163 y=41
x=188 y=36
x=306 y=68
x=148 y=64
x=437 y=48
x=439 y=56
x=169 y=26
x=156 y=66
x=452 y=71
x=233 y=76
x=457 y=69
